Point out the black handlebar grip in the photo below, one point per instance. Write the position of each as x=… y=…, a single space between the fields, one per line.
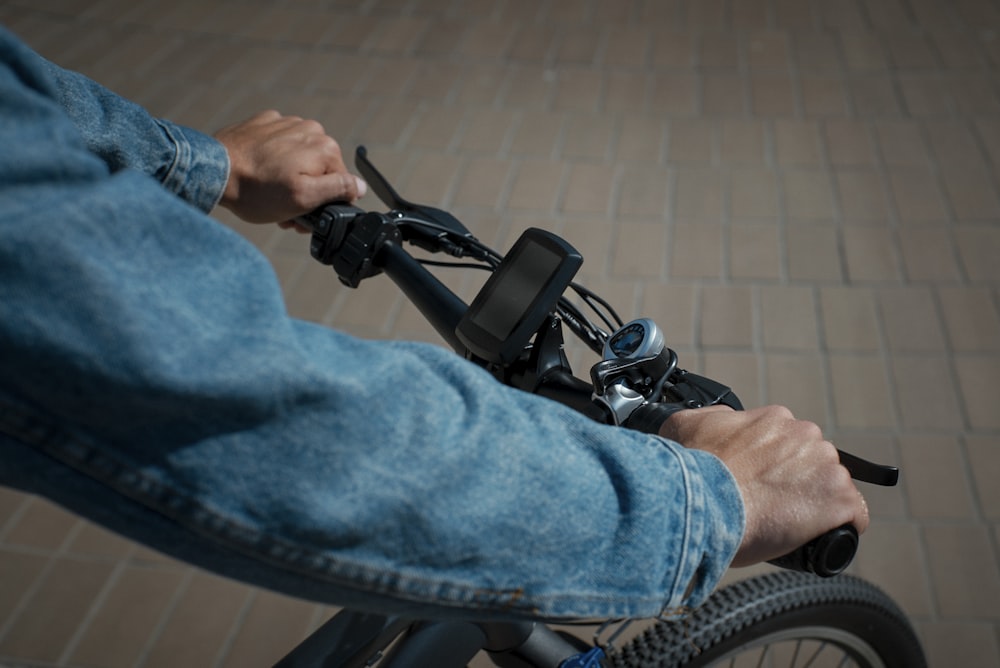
x=825 y=556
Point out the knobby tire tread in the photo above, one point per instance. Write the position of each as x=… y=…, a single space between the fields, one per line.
x=774 y=602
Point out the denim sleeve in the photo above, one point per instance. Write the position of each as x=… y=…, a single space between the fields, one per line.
x=152 y=381
x=186 y=162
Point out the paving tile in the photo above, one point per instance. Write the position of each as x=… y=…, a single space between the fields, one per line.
x=41 y=525
x=874 y=96
x=978 y=247
x=272 y=627
x=44 y=628
x=901 y=143
x=908 y=50
x=891 y=556
x=676 y=51
x=848 y=143
x=118 y=632
x=977 y=381
x=21 y=571
x=577 y=89
x=200 y=624
x=753 y=194
x=927 y=254
x=741 y=141
x=481 y=182
x=971 y=319
x=935 y=463
x=719 y=50
x=916 y=196
x=984 y=463
x=485 y=130
x=536 y=185
x=788 y=318
x=823 y=95
x=627 y=92
x=972 y=194
x=815 y=50
x=960 y=643
x=12 y=502
x=814 y=253
x=768 y=50
x=869 y=253
x=755 y=251
x=641 y=139
x=589 y=189
x=639 y=250
x=910 y=320
x=432 y=178
x=863 y=51
x=627 y=45
x=964 y=570
x=644 y=192
x=726 y=316
x=538 y=133
x=797 y=381
x=724 y=95
x=862 y=196
x=861 y=397
x=849 y=319
x=699 y=195
x=808 y=196
x=588 y=137
x=696 y=250
x=926 y=95
x=798 y=143
x=919 y=409
x=96 y=541
x=691 y=142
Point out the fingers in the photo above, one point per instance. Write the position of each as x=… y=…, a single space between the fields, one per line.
x=283 y=166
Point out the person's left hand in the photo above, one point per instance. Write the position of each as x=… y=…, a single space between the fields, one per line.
x=282 y=167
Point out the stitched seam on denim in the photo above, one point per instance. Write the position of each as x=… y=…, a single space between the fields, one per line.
x=72 y=451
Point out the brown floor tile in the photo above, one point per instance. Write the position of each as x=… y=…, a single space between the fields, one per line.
x=755 y=251
x=272 y=627
x=941 y=410
x=964 y=570
x=132 y=610
x=44 y=628
x=935 y=463
x=910 y=320
x=808 y=196
x=726 y=316
x=861 y=396
x=753 y=194
x=849 y=319
x=41 y=525
x=814 y=253
x=977 y=381
x=788 y=318
x=797 y=381
x=696 y=250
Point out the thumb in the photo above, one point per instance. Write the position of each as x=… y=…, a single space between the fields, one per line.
x=334 y=187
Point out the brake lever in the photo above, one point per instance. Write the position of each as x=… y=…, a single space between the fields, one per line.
x=392 y=199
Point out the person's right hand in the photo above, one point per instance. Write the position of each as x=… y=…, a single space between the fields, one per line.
x=794 y=487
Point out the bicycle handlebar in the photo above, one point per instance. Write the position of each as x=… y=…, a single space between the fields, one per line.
x=360 y=244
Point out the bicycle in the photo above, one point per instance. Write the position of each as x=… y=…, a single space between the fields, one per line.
x=513 y=327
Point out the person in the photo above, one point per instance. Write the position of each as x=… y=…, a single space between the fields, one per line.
x=152 y=381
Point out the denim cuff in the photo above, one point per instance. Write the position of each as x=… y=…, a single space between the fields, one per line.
x=200 y=169
x=716 y=521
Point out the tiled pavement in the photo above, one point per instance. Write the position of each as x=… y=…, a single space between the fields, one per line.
x=804 y=192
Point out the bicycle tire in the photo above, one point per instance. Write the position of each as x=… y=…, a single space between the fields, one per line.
x=786 y=615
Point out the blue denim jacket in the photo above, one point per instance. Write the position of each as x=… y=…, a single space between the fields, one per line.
x=151 y=380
